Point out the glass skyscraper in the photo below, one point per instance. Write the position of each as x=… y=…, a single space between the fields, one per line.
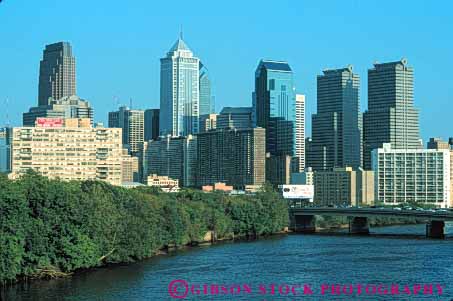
x=206 y=99
x=179 y=91
x=391 y=116
x=274 y=106
x=336 y=133
x=57 y=73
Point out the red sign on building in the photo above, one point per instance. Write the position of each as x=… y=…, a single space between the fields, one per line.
x=49 y=122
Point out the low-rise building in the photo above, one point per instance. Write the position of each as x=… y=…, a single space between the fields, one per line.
x=68 y=149
x=303 y=178
x=165 y=183
x=217 y=187
x=344 y=186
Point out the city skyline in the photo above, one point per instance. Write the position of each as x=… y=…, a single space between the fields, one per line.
x=21 y=88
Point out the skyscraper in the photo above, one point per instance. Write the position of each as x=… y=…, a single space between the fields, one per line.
x=132 y=123
x=151 y=124
x=391 y=116
x=179 y=91
x=336 y=136
x=206 y=99
x=274 y=108
x=300 y=132
x=57 y=73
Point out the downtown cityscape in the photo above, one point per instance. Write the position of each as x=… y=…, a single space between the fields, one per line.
x=350 y=158
x=257 y=150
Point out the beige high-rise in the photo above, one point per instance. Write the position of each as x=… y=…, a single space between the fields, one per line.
x=69 y=149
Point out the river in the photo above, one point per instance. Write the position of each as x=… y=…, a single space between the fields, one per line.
x=285 y=261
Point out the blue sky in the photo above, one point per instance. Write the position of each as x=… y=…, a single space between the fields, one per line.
x=118 y=44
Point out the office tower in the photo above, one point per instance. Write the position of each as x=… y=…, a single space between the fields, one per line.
x=274 y=109
x=57 y=73
x=391 y=116
x=206 y=98
x=151 y=124
x=235 y=117
x=179 y=91
x=132 y=123
x=208 y=122
x=278 y=169
x=3 y=151
x=300 y=133
x=69 y=149
x=412 y=175
x=65 y=107
x=232 y=156
x=335 y=126
x=175 y=157
x=437 y=143
x=344 y=186
x=129 y=168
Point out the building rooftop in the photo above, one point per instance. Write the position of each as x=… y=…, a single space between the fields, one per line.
x=275 y=65
x=179 y=45
x=236 y=110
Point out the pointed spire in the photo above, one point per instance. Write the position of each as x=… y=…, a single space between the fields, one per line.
x=180 y=33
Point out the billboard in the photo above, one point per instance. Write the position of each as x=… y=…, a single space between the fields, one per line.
x=49 y=122
x=298 y=191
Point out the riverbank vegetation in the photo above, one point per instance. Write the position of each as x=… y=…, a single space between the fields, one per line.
x=50 y=228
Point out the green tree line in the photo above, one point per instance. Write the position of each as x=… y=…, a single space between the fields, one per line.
x=51 y=227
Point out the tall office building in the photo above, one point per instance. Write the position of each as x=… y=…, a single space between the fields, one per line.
x=57 y=73
x=179 y=91
x=151 y=124
x=235 y=117
x=175 y=157
x=69 y=149
x=132 y=123
x=233 y=156
x=300 y=133
x=391 y=116
x=206 y=98
x=336 y=135
x=4 y=147
x=274 y=109
x=65 y=107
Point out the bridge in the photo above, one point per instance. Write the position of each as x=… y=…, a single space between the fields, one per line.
x=303 y=218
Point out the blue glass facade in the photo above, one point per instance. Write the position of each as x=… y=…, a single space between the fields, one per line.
x=274 y=106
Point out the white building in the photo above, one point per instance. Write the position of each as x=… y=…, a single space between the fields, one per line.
x=300 y=131
x=179 y=91
x=412 y=175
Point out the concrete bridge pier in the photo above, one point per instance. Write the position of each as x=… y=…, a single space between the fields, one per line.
x=305 y=223
x=359 y=225
x=435 y=229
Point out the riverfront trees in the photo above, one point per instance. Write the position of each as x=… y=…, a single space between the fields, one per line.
x=50 y=227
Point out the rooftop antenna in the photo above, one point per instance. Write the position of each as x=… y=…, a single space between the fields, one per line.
x=130 y=103
x=8 y=121
x=180 y=33
x=116 y=101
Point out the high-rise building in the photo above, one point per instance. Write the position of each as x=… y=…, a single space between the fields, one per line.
x=439 y=144
x=336 y=136
x=235 y=117
x=129 y=168
x=274 y=109
x=232 y=156
x=391 y=116
x=65 y=107
x=344 y=186
x=300 y=133
x=412 y=175
x=69 y=149
x=206 y=98
x=175 y=157
x=57 y=73
x=151 y=124
x=278 y=169
x=208 y=122
x=4 y=147
x=179 y=91
x=132 y=123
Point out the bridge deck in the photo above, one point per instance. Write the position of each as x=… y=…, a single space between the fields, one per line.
x=368 y=212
